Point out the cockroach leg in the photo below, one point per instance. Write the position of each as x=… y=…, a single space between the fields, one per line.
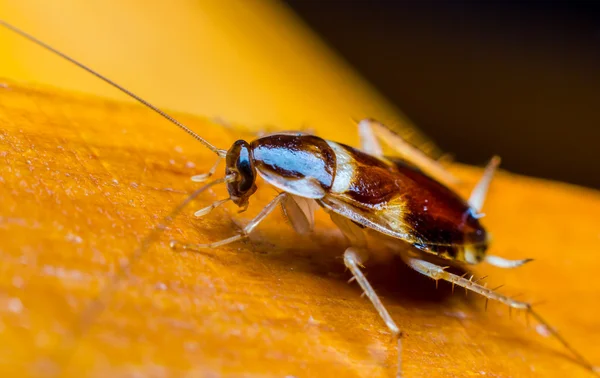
x=245 y=231
x=368 y=140
x=438 y=273
x=205 y=176
x=480 y=190
x=300 y=213
x=370 y=131
x=211 y=207
x=501 y=262
x=353 y=259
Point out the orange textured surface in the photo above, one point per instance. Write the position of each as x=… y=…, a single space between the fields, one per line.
x=83 y=180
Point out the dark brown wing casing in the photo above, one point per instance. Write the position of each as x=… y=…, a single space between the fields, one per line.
x=437 y=213
x=433 y=217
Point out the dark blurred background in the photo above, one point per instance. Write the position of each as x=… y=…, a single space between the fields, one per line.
x=521 y=80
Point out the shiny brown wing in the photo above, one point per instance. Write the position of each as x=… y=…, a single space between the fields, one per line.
x=398 y=200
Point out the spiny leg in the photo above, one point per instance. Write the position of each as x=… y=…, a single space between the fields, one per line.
x=353 y=259
x=245 y=231
x=439 y=273
x=370 y=131
x=480 y=190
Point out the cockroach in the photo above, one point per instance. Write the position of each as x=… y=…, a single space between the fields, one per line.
x=404 y=200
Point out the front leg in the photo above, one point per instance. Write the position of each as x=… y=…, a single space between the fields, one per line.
x=245 y=231
x=205 y=176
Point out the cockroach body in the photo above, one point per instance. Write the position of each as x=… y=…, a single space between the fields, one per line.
x=406 y=200
x=418 y=216
x=383 y=194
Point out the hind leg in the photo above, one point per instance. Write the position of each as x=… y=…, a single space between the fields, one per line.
x=371 y=132
x=438 y=273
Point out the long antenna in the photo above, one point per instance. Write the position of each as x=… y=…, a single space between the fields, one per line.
x=218 y=151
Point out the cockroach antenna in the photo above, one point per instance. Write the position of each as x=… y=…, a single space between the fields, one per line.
x=221 y=153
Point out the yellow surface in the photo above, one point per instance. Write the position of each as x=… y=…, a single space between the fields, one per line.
x=84 y=180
